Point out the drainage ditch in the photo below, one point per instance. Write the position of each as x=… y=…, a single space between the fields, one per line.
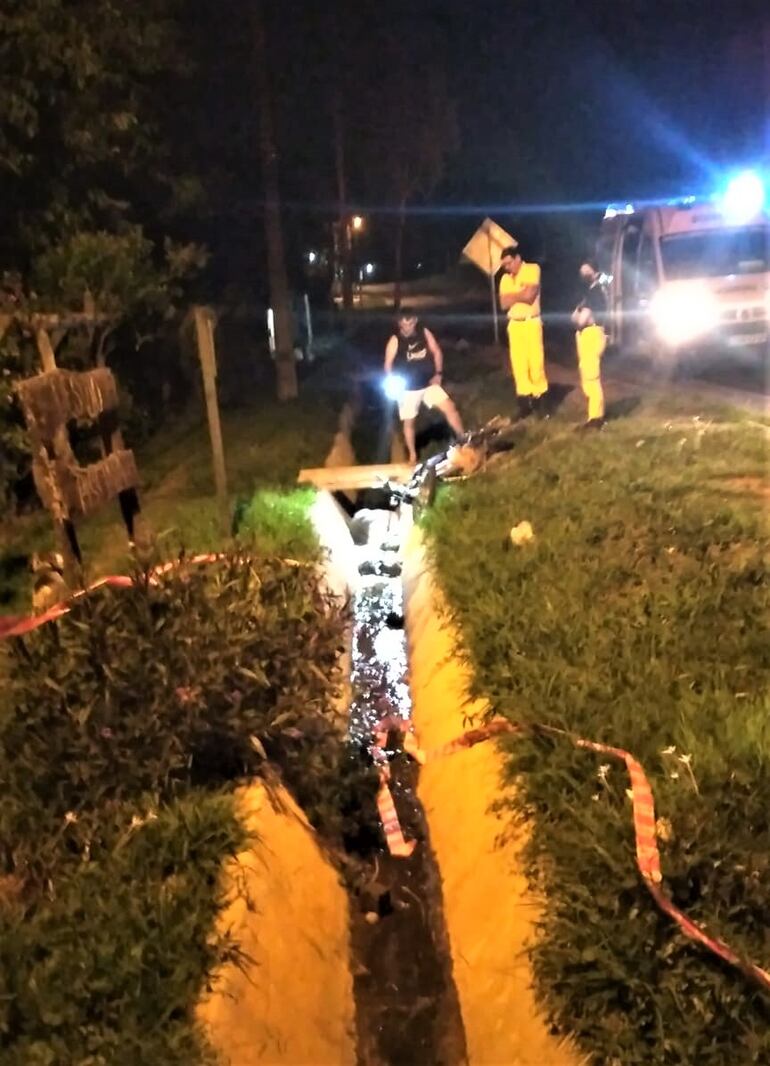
x=407 y=1009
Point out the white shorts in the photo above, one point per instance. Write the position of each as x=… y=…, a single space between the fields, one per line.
x=409 y=404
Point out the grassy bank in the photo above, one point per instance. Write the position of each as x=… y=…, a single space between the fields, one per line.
x=638 y=616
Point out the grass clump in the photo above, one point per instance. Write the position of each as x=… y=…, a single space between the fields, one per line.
x=639 y=617
x=278 y=520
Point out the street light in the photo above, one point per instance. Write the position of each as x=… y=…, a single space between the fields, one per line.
x=357 y=222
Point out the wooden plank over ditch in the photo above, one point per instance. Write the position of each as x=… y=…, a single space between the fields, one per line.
x=341 y=478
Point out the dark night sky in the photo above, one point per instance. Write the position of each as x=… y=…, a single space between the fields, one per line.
x=574 y=100
x=559 y=101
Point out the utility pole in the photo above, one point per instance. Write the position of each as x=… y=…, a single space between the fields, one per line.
x=345 y=236
x=766 y=57
x=285 y=365
x=344 y=239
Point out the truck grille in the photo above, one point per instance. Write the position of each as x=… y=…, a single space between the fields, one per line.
x=757 y=329
x=747 y=315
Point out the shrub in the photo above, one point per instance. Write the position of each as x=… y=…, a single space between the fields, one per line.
x=124 y=727
x=637 y=617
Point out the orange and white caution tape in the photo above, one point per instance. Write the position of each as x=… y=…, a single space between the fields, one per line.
x=20 y=626
x=643 y=804
x=396 y=842
x=648 y=861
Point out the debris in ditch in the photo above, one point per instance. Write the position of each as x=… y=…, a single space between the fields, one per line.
x=377 y=900
x=361 y=524
x=379 y=568
x=466 y=458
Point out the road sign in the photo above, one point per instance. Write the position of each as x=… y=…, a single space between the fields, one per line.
x=483 y=250
x=484 y=247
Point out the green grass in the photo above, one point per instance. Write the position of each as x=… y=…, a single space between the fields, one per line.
x=108 y=971
x=266 y=444
x=637 y=617
x=102 y=960
x=278 y=522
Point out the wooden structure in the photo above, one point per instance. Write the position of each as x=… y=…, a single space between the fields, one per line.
x=53 y=399
x=204 y=334
x=340 y=478
x=69 y=490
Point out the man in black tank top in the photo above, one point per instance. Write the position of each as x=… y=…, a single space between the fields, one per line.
x=413 y=355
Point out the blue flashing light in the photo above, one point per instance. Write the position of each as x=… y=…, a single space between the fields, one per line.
x=744 y=197
x=613 y=210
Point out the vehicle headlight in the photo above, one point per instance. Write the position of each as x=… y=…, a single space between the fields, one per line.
x=683 y=313
x=394 y=386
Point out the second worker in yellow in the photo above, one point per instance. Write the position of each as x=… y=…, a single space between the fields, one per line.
x=520 y=297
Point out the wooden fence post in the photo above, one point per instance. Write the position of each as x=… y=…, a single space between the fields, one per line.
x=204 y=333
x=45 y=349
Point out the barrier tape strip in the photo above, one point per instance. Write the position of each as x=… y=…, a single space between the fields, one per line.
x=122 y=581
x=648 y=861
x=396 y=842
x=642 y=800
x=643 y=806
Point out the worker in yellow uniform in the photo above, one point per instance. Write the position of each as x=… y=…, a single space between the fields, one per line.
x=520 y=297
x=588 y=318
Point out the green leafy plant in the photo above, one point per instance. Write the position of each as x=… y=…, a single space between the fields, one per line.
x=120 y=277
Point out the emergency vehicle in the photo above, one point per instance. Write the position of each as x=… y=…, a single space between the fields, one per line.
x=689 y=276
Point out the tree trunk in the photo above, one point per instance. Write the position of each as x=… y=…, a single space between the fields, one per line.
x=345 y=242
x=398 y=268
x=766 y=56
x=285 y=365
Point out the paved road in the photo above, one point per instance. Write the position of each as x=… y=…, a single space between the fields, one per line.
x=739 y=385
x=745 y=392
x=738 y=380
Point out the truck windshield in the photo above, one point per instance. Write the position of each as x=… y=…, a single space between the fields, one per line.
x=716 y=253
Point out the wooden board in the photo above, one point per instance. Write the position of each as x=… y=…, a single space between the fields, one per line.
x=338 y=478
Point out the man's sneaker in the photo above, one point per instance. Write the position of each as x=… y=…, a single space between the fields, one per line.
x=592 y=424
x=526 y=406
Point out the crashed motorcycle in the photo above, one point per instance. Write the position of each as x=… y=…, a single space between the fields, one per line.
x=465 y=458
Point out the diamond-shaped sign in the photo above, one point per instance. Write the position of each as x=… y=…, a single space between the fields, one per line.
x=485 y=246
